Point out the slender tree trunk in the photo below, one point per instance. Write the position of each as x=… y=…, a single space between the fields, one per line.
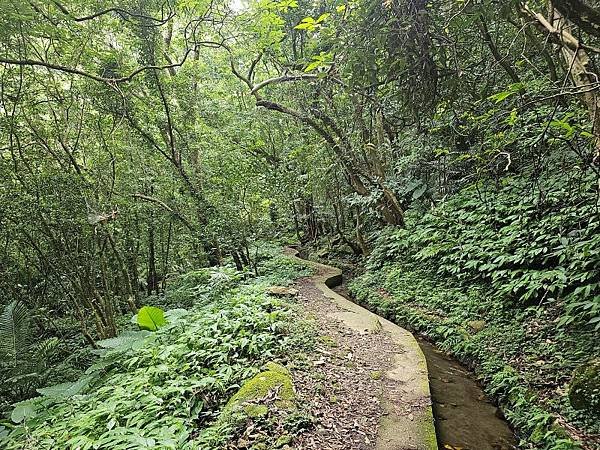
x=244 y=257
x=577 y=61
x=165 y=267
x=130 y=291
x=152 y=278
x=296 y=224
x=356 y=249
x=359 y=236
x=237 y=261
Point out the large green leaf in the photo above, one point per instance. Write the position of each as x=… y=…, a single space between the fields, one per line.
x=124 y=341
x=150 y=318
x=23 y=410
x=65 y=390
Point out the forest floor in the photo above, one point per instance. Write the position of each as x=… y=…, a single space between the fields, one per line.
x=344 y=385
x=361 y=385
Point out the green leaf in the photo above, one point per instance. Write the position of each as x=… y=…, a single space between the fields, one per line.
x=307 y=23
x=172 y=315
x=65 y=390
x=512 y=89
x=23 y=410
x=418 y=193
x=15 y=333
x=512 y=119
x=126 y=340
x=321 y=60
x=322 y=17
x=501 y=96
x=151 y=318
x=312 y=66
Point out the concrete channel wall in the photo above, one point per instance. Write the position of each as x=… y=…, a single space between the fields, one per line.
x=407 y=422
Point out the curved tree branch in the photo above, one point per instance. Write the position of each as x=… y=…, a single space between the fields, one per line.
x=582 y=15
x=559 y=36
x=166 y=207
x=120 y=11
x=282 y=79
x=75 y=71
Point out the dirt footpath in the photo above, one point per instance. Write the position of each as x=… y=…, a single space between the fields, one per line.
x=367 y=386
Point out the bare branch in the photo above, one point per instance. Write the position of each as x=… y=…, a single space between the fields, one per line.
x=585 y=17
x=561 y=37
x=253 y=66
x=167 y=208
x=75 y=71
x=282 y=79
x=121 y=12
x=487 y=37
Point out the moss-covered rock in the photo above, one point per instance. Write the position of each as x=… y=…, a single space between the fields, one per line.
x=584 y=389
x=283 y=441
x=275 y=377
x=476 y=325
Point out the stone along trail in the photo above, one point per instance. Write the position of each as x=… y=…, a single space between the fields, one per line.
x=368 y=387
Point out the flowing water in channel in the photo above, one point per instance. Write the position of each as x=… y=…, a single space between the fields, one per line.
x=465 y=419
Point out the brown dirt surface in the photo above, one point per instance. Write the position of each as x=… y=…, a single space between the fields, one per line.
x=343 y=384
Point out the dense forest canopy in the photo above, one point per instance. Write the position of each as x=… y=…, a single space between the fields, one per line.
x=143 y=139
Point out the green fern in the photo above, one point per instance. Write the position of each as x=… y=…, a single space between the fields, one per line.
x=15 y=332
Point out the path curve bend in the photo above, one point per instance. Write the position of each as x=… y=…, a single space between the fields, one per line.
x=407 y=422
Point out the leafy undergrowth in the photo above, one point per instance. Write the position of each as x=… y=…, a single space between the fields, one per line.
x=166 y=389
x=507 y=279
x=520 y=357
x=531 y=246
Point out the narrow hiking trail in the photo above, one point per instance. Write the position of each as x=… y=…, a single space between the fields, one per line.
x=368 y=385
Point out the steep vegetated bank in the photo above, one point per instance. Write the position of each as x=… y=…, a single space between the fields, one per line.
x=506 y=279
x=169 y=388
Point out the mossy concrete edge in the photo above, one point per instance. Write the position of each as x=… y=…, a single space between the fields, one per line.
x=408 y=422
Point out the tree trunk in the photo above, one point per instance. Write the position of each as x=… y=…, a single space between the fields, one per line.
x=577 y=61
x=152 y=278
x=237 y=261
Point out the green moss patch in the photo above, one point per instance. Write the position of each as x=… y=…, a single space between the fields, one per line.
x=376 y=375
x=329 y=341
x=584 y=389
x=275 y=380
